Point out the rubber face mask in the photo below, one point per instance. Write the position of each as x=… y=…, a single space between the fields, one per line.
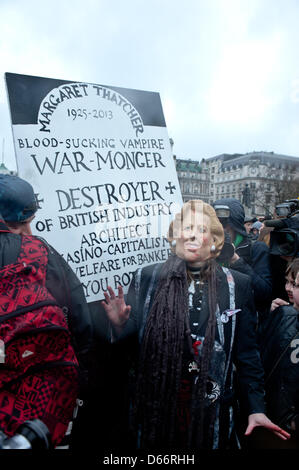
x=197 y=239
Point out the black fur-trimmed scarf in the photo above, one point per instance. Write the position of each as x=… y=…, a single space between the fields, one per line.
x=160 y=365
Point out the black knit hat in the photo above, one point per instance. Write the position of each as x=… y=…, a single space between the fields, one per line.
x=17 y=199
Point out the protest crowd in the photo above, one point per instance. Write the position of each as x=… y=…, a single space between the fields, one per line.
x=201 y=353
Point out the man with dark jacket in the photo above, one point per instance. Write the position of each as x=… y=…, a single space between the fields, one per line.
x=249 y=258
x=17 y=207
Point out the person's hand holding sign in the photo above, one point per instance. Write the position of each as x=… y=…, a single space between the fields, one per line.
x=116 y=309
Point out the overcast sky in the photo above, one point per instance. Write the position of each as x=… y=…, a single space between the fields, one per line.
x=227 y=70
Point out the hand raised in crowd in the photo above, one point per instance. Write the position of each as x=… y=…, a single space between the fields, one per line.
x=116 y=309
x=277 y=303
x=260 y=419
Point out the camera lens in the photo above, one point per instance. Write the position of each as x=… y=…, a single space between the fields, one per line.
x=2 y=439
x=37 y=433
x=282 y=211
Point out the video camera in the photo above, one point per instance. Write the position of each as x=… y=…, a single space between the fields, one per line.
x=284 y=239
x=223 y=213
x=33 y=435
x=287 y=208
x=228 y=249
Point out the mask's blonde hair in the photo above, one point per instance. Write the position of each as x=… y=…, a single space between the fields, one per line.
x=192 y=214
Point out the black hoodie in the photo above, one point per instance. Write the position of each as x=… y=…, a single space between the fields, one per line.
x=257 y=264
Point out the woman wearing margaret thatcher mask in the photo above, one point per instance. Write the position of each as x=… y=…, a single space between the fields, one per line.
x=195 y=321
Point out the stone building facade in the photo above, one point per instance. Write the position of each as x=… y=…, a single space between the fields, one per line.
x=260 y=180
x=193 y=179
